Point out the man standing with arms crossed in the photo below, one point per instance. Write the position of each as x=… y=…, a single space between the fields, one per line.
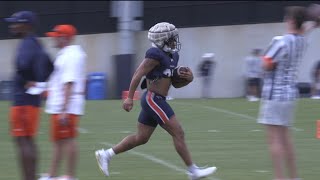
x=66 y=99
x=32 y=64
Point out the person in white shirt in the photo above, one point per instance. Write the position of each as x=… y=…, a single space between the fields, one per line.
x=254 y=74
x=206 y=68
x=66 y=100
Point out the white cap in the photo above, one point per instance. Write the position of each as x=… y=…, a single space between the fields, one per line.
x=208 y=55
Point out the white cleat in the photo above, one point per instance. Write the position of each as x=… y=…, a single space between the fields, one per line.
x=315 y=97
x=46 y=177
x=65 y=178
x=103 y=161
x=201 y=173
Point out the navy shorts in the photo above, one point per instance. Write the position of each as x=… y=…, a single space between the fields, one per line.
x=154 y=109
x=254 y=82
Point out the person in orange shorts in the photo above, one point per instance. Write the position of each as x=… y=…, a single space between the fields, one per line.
x=65 y=100
x=32 y=65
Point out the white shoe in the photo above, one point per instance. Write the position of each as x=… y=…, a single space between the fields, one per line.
x=169 y=98
x=65 y=178
x=201 y=173
x=315 y=97
x=46 y=177
x=103 y=159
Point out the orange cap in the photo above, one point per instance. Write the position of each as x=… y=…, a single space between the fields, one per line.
x=64 y=30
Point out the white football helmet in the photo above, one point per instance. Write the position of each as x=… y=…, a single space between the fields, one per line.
x=165 y=36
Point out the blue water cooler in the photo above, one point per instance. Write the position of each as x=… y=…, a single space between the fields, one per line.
x=96 y=86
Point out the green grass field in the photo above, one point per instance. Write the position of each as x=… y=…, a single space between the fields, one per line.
x=219 y=132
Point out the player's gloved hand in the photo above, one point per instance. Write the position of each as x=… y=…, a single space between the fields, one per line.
x=63 y=119
x=127 y=104
x=188 y=75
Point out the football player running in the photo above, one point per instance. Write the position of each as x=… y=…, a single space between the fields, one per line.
x=158 y=66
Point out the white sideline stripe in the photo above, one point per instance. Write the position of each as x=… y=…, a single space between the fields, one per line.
x=157 y=160
x=261 y=171
x=256 y=130
x=213 y=130
x=297 y=129
x=125 y=132
x=229 y=112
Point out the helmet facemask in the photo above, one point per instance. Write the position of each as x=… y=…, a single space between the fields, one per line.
x=172 y=45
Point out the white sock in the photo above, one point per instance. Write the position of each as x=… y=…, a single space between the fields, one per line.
x=192 y=167
x=110 y=152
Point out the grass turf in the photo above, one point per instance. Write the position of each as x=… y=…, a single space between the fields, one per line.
x=219 y=132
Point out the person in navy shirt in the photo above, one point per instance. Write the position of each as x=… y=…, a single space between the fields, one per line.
x=158 y=66
x=32 y=64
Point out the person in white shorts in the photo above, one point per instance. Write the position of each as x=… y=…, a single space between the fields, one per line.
x=66 y=100
x=279 y=93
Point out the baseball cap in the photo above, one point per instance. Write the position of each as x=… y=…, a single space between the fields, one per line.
x=22 y=17
x=63 y=30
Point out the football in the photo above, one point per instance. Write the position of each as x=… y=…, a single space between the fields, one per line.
x=176 y=74
x=177 y=81
x=177 y=71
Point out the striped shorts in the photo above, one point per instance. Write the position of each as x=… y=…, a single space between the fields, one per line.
x=154 y=109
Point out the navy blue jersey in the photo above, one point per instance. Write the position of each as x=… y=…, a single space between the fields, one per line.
x=32 y=63
x=167 y=63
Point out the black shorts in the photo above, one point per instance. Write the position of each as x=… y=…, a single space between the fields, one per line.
x=254 y=82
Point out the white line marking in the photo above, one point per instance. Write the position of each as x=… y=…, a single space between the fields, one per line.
x=82 y=130
x=261 y=171
x=125 y=132
x=157 y=160
x=213 y=130
x=296 y=129
x=256 y=130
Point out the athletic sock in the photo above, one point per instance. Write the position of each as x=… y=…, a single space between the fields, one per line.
x=110 y=152
x=192 y=167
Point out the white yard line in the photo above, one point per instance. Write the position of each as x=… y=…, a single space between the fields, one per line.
x=213 y=131
x=261 y=171
x=157 y=160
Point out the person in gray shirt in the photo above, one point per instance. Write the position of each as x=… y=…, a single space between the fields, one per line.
x=254 y=74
